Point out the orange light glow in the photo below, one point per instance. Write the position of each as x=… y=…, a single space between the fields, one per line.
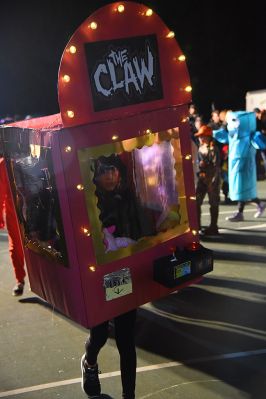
x=72 y=49
x=70 y=114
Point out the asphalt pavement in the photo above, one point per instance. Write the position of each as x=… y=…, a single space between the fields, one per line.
x=205 y=342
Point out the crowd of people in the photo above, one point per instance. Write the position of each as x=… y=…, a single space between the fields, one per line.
x=224 y=150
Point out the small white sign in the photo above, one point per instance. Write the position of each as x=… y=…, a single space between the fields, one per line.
x=117 y=284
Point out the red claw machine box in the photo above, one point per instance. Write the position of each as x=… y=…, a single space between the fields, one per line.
x=104 y=191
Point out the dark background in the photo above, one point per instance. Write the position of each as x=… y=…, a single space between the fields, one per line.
x=224 y=42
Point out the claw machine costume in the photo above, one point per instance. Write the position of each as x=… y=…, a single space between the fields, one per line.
x=105 y=190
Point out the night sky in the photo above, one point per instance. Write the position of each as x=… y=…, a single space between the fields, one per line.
x=224 y=42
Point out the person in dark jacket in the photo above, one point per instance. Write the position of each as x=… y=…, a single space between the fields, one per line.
x=208 y=177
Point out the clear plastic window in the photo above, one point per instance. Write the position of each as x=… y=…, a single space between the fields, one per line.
x=135 y=194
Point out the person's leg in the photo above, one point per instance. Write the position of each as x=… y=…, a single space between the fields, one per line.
x=261 y=206
x=16 y=252
x=214 y=200
x=125 y=340
x=201 y=191
x=238 y=216
x=90 y=379
x=96 y=340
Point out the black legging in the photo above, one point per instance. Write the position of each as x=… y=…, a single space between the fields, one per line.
x=125 y=341
x=241 y=204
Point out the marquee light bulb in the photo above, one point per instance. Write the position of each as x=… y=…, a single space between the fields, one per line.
x=194 y=232
x=72 y=49
x=149 y=12
x=66 y=78
x=170 y=35
x=188 y=89
x=70 y=114
x=188 y=156
x=80 y=187
x=192 y=198
x=86 y=231
x=120 y=8
x=92 y=268
x=114 y=137
x=93 y=25
x=68 y=148
x=181 y=58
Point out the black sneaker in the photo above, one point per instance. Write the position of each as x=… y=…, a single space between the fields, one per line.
x=90 y=382
x=211 y=231
x=18 y=289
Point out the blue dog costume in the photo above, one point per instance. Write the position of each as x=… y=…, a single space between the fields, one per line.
x=243 y=140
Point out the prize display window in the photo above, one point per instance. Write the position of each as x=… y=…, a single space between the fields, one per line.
x=36 y=200
x=135 y=193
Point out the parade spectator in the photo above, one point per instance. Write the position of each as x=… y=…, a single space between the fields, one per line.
x=7 y=209
x=215 y=123
x=194 y=127
x=192 y=114
x=261 y=126
x=243 y=140
x=208 y=178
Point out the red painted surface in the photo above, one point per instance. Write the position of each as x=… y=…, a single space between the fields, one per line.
x=74 y=289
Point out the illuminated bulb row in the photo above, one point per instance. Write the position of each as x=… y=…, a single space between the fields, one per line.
x=93 y=25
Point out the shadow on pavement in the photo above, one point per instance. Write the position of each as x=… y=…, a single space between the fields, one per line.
x=196 y=323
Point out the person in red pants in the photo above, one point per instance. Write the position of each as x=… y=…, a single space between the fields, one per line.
x=15 y=246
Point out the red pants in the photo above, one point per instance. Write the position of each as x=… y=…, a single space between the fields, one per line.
x=15 y=247
x=7 y=206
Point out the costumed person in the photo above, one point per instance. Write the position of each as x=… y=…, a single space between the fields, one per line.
x=208 y=178
x=15 y=246
x=121 y=227
x=243 y=140
x=224 y=173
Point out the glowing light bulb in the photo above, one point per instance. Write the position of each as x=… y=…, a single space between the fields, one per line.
x=184 y=120
x=93 y=25
x=80 y=187
x=148 y=131
x=70 y=114
x=92 y=268
x=86 y=231
x=66 y=78
x=188 y=89
x=192 y=198
x=114 y=137
x=120 y=8
x=193 y=246
x=181 y=58
x=72 y=49
x=170 y=35
x=149 y=12
x=194 y=232
x=68 y=148
x=188 y=156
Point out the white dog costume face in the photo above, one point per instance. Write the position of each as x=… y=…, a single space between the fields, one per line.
x=233 y=121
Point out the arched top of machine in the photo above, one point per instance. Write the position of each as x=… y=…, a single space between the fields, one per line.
x=123 y=60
